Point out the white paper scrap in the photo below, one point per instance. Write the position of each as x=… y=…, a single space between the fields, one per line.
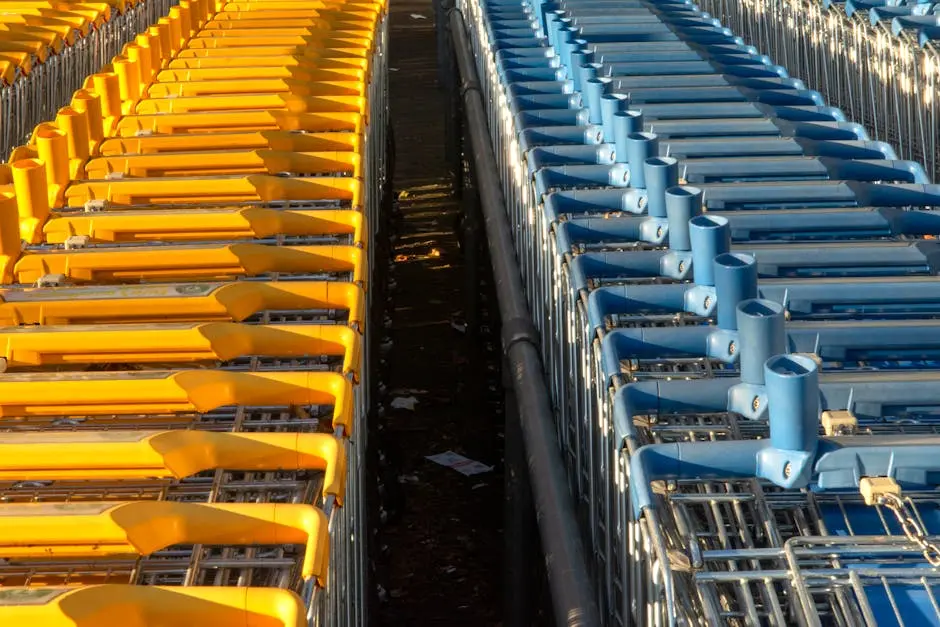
x=404 y=402
x=463 y=465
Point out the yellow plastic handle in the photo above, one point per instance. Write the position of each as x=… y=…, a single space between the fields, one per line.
x=330 y=49
x=141 y=606
x=234 y=301
x=226 y=163
x=166 y=343
x=262 y=21
x=257 y=140
x=239 y=121
x=123 y=455
x=161 y=393
x=179 y=225
x=198 y=189
x=303 y=71
x=328 y=39
x=260 y=31
x=270 y=61
x=191 y=262
x=295 y=85
x=254 y=102
x=53 y=531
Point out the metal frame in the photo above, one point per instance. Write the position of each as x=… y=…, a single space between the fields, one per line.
x=566 y=83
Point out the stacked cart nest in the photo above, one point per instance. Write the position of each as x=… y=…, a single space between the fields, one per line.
x=736 y=291
x=186 y=258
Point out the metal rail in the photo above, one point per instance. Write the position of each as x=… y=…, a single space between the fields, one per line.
x=573 y=598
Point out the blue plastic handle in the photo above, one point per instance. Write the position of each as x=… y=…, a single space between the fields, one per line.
x=794 y=456
x=710 y=236
x=640 y=147
x=625 y=123
x=736 y=282
x=659 y=174
x=682 y=204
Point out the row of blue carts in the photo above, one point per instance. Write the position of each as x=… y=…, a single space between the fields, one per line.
x=737 y=294
x=877 y=60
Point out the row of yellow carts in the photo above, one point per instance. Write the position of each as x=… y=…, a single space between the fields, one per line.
x=185 y=251
x=47 y=47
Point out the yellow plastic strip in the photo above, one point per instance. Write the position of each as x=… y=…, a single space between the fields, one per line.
x=225 y=163
x=255 y=31
x=126 y=455
x=230 y=121
x=328 y=50
x=186 y=225
x=45 y=37
x=180 y=301
x=142 y=606
x=298 y=38
x=262 y=21
x=252 y=72
x=293 y=5
x=190 y=190
x=207 y=262
x=26 y=347
x=255 y=101
x=309 y=62
x=299 y=86
x=162 y=393
x=258 y=140
x=100 y=530
x=267 y=5
x=35 y=48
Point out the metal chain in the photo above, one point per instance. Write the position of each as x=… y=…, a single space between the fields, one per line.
x=911 y=528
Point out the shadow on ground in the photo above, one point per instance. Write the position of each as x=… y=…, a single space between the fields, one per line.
x=441 y=544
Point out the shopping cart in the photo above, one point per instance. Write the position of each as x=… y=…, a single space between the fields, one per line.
x=867 y=527
x=238 y=147
x=604 y=115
